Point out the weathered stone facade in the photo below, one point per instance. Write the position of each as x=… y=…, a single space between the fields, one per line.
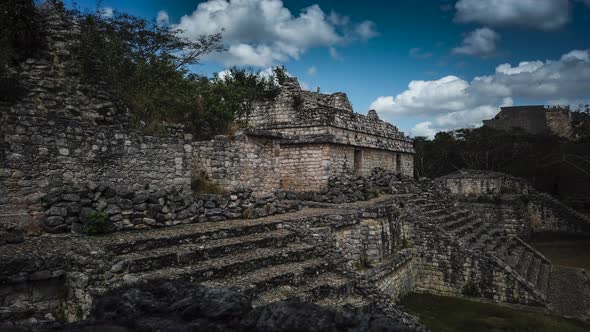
x=64 y=133
x=513 y=203
x=301 y=139
x=533 y=120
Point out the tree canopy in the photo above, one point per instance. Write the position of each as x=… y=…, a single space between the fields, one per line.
x=148 y=66
x=552 y=164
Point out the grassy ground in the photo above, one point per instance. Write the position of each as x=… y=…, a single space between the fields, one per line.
x=451 y=314
x=567 y=250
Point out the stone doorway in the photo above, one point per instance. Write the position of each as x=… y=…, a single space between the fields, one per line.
x=358 y=162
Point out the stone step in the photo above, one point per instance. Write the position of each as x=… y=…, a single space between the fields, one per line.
x=514 y=254
x=456 y=215
x=456 y=223
x=266 y=278
x=225 y=266
x=475 y=234
x=500 y=249
x=314 y=288
x=126 y=242
x=467 y=228
x=532 y=273
x=524 y=262
x=348 y=303
x=435 y=212
x=486 y=239
x=186 y=254
x=544 y=275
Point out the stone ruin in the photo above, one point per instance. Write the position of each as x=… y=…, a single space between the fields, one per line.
x=536 y=119
x=319 y=208
x=301 y=139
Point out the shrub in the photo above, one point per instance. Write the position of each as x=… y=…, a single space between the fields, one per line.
x=97 y=223
x=471 y=289
x=202 y=185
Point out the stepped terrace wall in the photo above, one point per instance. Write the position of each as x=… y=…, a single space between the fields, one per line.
x=64 y=133
x=521 y=208
x=477 y=183
x=265 y=161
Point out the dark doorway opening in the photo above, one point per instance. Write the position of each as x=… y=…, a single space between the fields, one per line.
x=358 y=162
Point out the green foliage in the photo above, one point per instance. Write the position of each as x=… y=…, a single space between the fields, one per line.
x=298 y=103
x=281 y=74
x=202 y=185
x=471 y=289
x=147 y=66
x=239 y=88
x=449 y=314
x=97 y=223
x=405 y=244
x=551 y=164
x=20 y=39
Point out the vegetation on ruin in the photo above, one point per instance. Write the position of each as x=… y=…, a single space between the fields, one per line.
x=200 y=184
x=471 y=289
x=552 y=164
x=19 y=40
x=146 y=65
x=449 y=314
x=97 y=223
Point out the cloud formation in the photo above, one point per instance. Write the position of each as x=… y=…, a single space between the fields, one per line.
x=536 y=14
x=263 y=32
x=451 y=102
x=162 y=18
x=480 y=42
x=107 y=12
x=417 y=53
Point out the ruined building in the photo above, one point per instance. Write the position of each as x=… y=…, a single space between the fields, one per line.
x=301 y=139
x=536 y=119
x=295 y=223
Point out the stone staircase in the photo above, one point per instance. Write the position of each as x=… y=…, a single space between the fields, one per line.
x=489 y=239
x=260 y=258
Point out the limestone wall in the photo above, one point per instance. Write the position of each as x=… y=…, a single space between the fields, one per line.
x=559 y=121
x=265 y=164
x=304 y=167
x=477 y=183
x=510 y=215
x=448 y=269
x=66 y=133
x=240 y=162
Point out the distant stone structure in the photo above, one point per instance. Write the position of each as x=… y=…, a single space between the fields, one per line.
x=536 y=119
x=301 y=139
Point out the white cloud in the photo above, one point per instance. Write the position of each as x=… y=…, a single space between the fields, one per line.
x=366 y=30
x=334 y=54
x=417 y=53
x=162 y=18
x=264 y=32
x=451 y=102
x=312 y=71
x=480 y=42
x=537 y=14
x=107 y=12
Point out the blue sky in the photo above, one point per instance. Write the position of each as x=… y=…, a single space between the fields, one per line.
x=425 y=65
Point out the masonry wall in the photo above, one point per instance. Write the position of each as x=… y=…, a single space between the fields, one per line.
x=240 y=162
x=304 y=167
x=511 y=216
x=375 y=244
x=484 y=185
x=65 y=133
x=447 y=268
x=559 y=122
